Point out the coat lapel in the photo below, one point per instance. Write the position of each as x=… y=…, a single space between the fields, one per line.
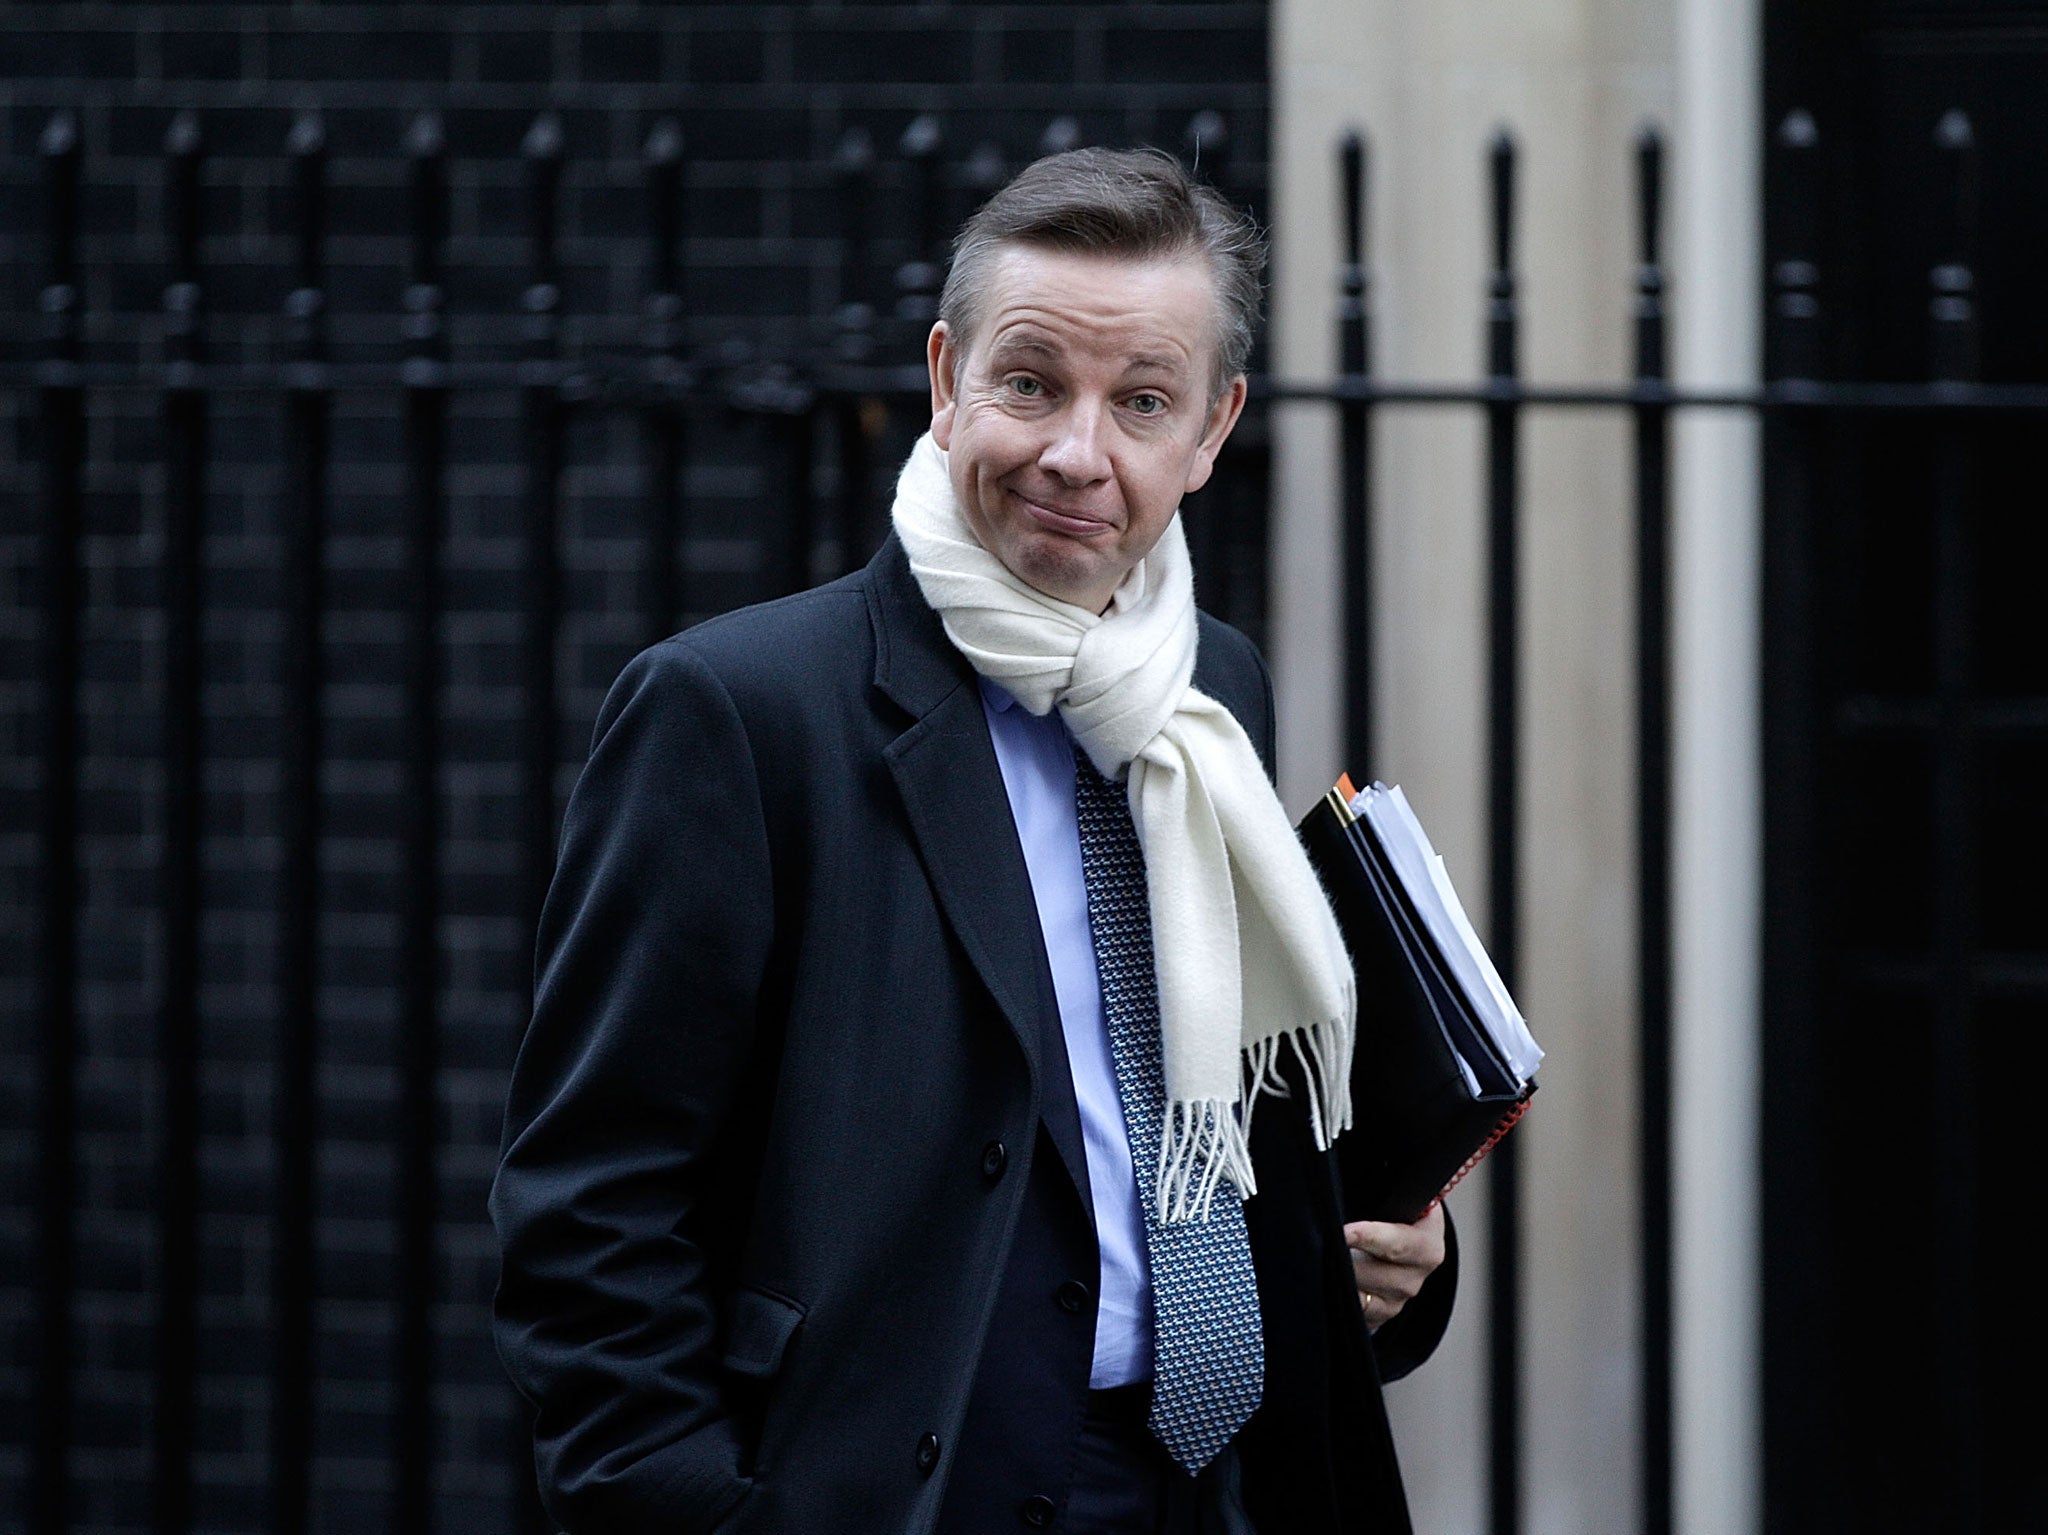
x=945 y=769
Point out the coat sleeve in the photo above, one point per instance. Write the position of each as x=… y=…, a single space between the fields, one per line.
x=651 y=949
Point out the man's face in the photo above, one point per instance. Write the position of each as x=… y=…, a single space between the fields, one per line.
x=1079 y=413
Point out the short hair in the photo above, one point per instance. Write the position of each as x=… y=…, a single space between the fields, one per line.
x=1136 y=203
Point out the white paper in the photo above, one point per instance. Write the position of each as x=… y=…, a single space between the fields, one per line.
x=1421 y=871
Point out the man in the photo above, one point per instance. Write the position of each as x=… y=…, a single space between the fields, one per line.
x=919 y=949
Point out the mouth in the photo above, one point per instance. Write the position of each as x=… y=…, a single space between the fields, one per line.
x=1073 y=522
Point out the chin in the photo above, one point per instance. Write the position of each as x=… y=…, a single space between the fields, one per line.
x=1053 y=565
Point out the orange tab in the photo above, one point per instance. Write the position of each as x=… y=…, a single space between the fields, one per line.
x=1344 y=787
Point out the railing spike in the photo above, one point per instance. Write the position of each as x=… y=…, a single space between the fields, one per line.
x=1352 y=153
x=1061 y=134
x=664 y=144
x=1207 y=136
x=924 y=137
x=183 y=136
x=60 y=134
x=1952 y=304
x=855 y=151
x=985 y=170
x=1501 y=159
x=308 y=133
x=1649 y=190
x=543 y=140
x=425 y=137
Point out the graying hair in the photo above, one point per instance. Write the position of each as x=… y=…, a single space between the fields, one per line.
x=1136 y=203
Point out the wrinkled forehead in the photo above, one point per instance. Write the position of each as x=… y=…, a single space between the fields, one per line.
x=1150 y=304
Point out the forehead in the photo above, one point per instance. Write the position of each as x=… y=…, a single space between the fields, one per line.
x=1161 y=308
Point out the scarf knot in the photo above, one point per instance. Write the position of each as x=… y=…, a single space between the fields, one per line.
x=1248 y=956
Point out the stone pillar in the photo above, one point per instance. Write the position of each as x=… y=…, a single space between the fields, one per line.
x=1574 y=82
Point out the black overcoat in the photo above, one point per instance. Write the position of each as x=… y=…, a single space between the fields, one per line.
x=793 y=1085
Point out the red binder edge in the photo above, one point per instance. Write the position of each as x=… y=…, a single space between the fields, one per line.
x=1508 y=1122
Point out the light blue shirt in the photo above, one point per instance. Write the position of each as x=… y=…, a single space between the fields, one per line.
x=1037 y=758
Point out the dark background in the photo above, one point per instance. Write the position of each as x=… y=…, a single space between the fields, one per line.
x=764 y=96
x=1906 y=686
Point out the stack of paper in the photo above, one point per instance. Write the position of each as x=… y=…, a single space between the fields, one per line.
x=1445 y=1063
x=1427 y=883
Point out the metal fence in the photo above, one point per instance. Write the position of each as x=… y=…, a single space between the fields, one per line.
x=836 y=418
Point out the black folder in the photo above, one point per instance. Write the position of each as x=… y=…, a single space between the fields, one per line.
x=1418 y=1126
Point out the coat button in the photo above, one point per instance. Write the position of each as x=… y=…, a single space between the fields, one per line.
x=993 y=1160
x=1073 y=1296
x=1037 y=1511
x=927 y=1454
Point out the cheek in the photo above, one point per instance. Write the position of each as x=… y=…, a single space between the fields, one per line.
x=1166 y=477
x=999 y=446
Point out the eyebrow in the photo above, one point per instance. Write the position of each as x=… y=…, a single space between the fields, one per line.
x=1158 y=362
x=1024 y=343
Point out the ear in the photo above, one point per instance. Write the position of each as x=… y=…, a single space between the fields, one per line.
x=1222 y=417
x=940 y=361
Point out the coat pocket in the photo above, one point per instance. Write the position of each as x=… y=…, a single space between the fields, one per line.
x=757 y=1339
x=759 y=1332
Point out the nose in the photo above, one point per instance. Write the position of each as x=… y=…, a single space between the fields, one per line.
x=1078 y=451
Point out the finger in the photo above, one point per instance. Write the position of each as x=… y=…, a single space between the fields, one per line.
x=1385 y=1240
x=1394 y=1282
x=1377 y=1309
x=1421 y=1244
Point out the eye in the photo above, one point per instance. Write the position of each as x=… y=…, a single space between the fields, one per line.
x=1148 y=404
x=1027 y=386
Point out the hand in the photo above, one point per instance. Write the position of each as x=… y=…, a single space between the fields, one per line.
x=1390 y=1261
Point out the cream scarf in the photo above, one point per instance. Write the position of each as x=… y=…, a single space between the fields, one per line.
x=1247 y=951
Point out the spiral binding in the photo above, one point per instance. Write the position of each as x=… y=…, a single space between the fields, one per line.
x=1508 y=1122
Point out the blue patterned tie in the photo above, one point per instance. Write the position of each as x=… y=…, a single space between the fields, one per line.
x=1208 y=1356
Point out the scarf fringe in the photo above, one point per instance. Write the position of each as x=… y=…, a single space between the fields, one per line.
x=1209 y=1139
x=1201 y=1143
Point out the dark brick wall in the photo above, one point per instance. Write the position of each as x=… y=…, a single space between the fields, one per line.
x=763 y=94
